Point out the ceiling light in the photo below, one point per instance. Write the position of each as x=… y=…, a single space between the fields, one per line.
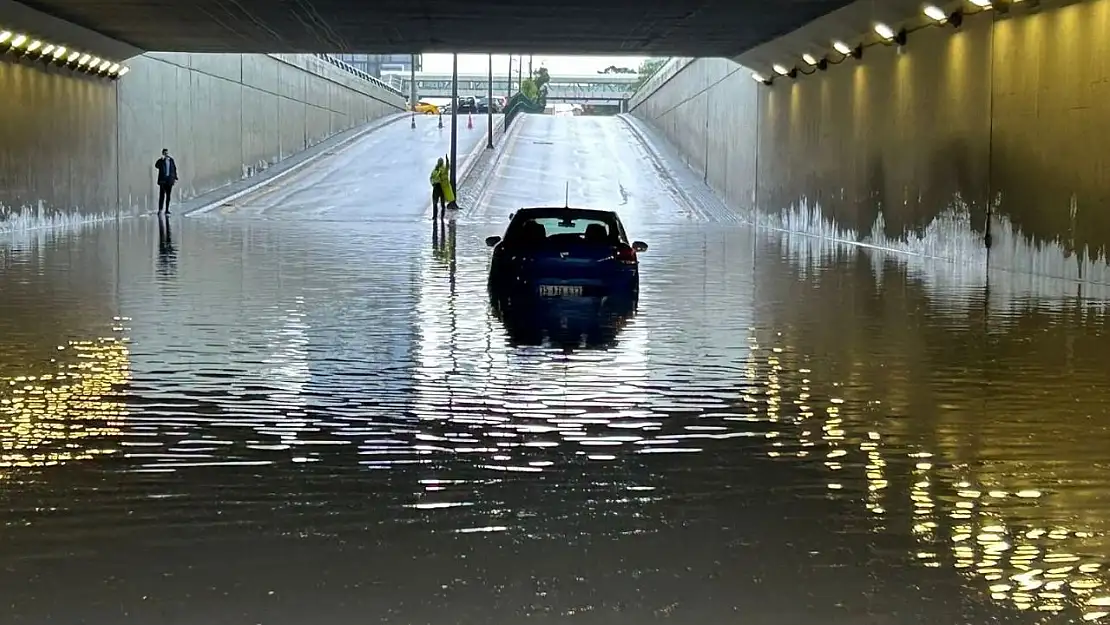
x=884 y=31
x=842 y=48
x=808 y=58
x=27 y=45
x=779 y=69
x=935 y=13
x=759 y=77
x=985 y=4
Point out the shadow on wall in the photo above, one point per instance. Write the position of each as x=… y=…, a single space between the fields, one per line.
x=922 y=149
x=75 y=148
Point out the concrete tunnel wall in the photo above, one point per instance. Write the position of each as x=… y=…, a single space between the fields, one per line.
x=1000 y=124
x=75 y=148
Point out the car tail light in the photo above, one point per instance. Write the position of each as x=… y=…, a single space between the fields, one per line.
x=626 y=255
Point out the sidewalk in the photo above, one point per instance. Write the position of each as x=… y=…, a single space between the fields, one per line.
x=215 y=198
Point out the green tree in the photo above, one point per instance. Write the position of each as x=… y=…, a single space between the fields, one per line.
x=613 y=69
x=647 y=68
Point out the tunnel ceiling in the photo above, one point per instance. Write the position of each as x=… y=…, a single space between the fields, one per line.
x=635 y=27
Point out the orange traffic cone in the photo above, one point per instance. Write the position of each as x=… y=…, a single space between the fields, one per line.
x=470 y=120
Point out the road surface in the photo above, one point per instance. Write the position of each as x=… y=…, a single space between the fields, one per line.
x=382 y=176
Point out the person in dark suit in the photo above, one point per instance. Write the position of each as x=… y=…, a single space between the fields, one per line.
x=167 y=176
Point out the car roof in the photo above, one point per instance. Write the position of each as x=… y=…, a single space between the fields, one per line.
x=564 y=211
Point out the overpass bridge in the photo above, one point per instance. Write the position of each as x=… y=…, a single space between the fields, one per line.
x=579 y=89
x=662 y=28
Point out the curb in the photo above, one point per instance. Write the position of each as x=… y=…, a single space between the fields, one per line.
x=330 y=151
x=501 y=149
x=476 y=154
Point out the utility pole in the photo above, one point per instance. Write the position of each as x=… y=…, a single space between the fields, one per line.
x=509 y=92
x=412 y=91
x=454 y=118
x=520 y=72
x=489 y=106
x=530 y=67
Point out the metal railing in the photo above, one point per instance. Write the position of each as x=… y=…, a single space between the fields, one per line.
x=396 y=82
x=519 y=104
x=351 y=69
x=664 y=72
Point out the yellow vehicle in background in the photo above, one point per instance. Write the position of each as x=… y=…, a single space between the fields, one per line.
x=426 y=108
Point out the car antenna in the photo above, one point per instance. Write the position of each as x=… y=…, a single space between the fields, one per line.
x=566 y=200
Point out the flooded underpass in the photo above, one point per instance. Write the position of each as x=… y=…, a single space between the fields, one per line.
x=288 y=421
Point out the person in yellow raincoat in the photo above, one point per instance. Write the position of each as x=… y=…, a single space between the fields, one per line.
x=439 y=175
x=443 y=194
x=448 y=190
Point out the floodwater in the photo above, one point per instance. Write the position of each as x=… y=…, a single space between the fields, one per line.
x=281 y=421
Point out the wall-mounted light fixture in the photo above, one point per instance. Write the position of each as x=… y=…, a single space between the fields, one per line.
x=820 y=63
x=935 y=13
x=783 y=71
x=26 y=47
x=888 y=35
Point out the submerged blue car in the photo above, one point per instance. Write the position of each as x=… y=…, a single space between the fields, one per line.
x=565 y=253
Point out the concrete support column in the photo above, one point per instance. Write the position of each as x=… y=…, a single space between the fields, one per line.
x=412 y=89
x=489 y=107
x=454 y=119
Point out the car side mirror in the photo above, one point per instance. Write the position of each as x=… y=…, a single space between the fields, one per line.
x=491 y=241
x=639 y=246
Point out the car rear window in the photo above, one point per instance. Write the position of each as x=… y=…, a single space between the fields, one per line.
x=577 y=228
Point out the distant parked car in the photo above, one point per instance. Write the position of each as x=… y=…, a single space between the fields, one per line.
x=468 y=104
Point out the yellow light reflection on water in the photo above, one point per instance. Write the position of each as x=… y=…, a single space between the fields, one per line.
x=67 y=415
x=998 y=529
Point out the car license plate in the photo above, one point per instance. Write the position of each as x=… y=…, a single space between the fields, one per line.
x=558 y=290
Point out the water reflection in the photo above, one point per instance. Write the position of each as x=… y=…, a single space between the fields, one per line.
x=567 y=324
x=70 y=412
x=167 y=253
x=987 y=411
x=798 y=433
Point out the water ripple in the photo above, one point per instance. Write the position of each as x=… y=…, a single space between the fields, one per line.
x=797 y=435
